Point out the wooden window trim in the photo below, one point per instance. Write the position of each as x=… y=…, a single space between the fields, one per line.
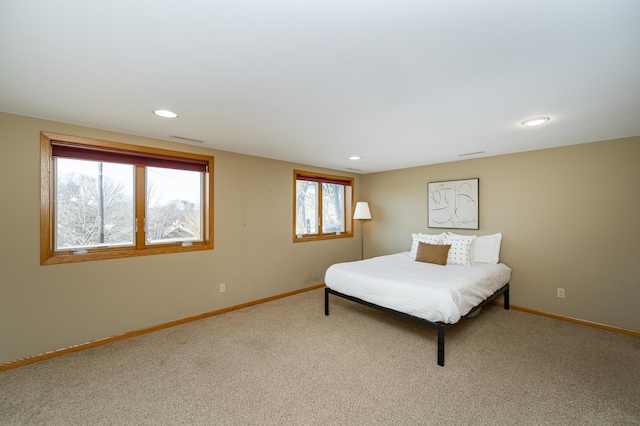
x=49 y=256
x=349 y=204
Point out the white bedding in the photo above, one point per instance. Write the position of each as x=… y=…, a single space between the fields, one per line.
x=424 y=290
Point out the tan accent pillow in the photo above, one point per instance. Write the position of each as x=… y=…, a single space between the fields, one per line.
x=432 y=253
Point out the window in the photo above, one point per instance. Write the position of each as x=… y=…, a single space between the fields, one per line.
x=323 y=206
x=103 y=200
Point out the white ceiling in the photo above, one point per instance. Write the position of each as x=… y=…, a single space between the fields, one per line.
x=400 y=83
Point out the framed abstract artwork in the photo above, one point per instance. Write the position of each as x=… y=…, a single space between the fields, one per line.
x=453 y=204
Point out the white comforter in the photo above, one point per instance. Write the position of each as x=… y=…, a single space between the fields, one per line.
x=424 y=290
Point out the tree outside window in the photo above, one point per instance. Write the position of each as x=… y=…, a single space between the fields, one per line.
x=103 y=199
x=323 y=206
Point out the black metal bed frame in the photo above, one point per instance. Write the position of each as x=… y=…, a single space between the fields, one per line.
x=441 y=327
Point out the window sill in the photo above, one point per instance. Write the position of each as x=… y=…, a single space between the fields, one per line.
x=306 y=238
x=67 y=257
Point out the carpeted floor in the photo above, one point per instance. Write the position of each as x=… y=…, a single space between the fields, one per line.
x=285 y=363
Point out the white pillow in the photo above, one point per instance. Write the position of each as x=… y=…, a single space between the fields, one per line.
x=439 y=236
x=486 y=249
x=423 y=238
x=472 y=238
x=460 y=252
x=459 y=236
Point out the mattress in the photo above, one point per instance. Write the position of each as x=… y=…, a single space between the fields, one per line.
x=424 y=290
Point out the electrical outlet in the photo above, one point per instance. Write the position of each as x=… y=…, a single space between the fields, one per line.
x=222 y=288
x=561 y=292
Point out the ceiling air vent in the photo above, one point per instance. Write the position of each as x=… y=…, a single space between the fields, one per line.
x=471 y=153
x=186 y=139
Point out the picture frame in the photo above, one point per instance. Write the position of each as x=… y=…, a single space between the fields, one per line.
x=453 y=204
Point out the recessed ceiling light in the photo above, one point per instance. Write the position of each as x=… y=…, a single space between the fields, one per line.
x=354 y=157
x=533 y=122
x=165 y=113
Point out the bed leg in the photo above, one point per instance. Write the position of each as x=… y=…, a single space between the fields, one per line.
x=326 y=300
x=506 y=299
x=441 y=347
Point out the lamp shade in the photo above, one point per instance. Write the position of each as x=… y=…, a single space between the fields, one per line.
x=362 y=210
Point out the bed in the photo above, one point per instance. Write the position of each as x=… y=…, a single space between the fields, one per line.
x=437 y=295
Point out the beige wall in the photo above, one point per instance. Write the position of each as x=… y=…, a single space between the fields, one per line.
x=570 y=218
x=44 y=308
